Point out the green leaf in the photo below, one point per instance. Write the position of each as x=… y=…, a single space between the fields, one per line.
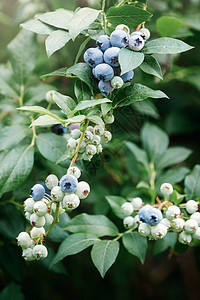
x=66 y=103
x=147 y=108
x=166 y=46
x=76 y=119
x=51 y=146
x=37 y=26
x=163 y=244
x=104 y=254
x=7 y=90
x=23 y=55
x=74 y=244
x=172 y=156
x=12 y=292
x=90 y=103
x=57 y=235
x=59 y=18
x=56 y=40
x=96 y=120
x=140 y=155
x=10 y=136
x=135 y=244
x=105 y=108
x=128 y=15
x=83 y=72
x=40 y=110
x=81 y=91
x=115 y=203
x=97 y=225
x=151 y=66
x=136 y=92
x=16 y=167
x=36 y=94
x=168 y=26
x=192 y=183
x=176 y=198
x=129 y=60
x=81 y=20
x=59 y=72
x=44 y=121
x=155 y=141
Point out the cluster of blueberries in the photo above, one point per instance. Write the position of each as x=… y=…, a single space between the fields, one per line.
x=104 y=58
x=150 y=221
x=92 y=141
x=64 y=195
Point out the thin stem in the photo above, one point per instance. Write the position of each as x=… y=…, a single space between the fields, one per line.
x=104 y=15
x=79 y=144
x=127 y=231
x=49 y=106
x=121 y=3
x=21 y=97
x=34 y=133
x=152 y=181
x=56 y=219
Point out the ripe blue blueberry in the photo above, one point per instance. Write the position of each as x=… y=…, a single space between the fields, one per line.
x=104 y=72
x=111 y=56
x=37 y=192
x=103 y=42
x=105 y=87
x=93 y=57
x=127 y=77
x=153 y=216
x=136 y=42
x=119 y=38
x=142 y=212
x=68 y=183
x=59 y=129
x=47 y=191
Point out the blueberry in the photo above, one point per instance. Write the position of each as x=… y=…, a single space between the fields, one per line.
x=59 y=129
x=105 y=87
x=153 y=216
x=104 y=72
x=103 y=42
x=127 y=77
x=139 y=33
x=111 y=56
x=68 y=183
x=47 y=191
x=136 y=42
x=93 y=57
x=119 y=38
x=74 y=126
x=142 y=212
x=37 y=192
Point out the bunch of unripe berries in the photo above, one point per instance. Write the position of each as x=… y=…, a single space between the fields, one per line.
x=104 y=58
x=93 y=139
x=63 y=195
x=150 y=221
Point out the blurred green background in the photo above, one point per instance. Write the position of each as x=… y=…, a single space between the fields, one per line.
x=165 y=276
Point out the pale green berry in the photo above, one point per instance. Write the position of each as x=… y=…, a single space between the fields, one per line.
x=24 y=240
x=185 y=238
x=37 y=232
x=166 y=189
x=129 y=222
x=107 y=136
x=146 y=33
x=83 y=189
x=27 y=254
x=190 y=226
x=28 y=205
x=136 y=202
x=158 y=231
x=173 y=212
x=49 y=96
x=109 y=118
x=74 y=171
x=96 y=140
x=40 y=208
x=123 y=27
x=127 y=208
x=144 y=229
x=37 y=221
x=177 y=224
x=117 y=82
x=196 y=216
x=70 y=201
x=51 y=181
x=196 y=235
x=48 y=219
x=40 y=252
x=57 y=194
x=191 y=206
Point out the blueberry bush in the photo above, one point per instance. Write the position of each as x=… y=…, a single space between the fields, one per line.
x=89 y=139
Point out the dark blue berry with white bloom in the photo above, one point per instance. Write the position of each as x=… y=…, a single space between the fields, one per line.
x=136 y=42
x=142 y=212
x=68 y=183
x=103 y=42
x=119 y=38
x=153 y=216
x=104 y=72
x=93 y=57
x=105 y=87
x=59 y=129
x=37 y=192
x=127 y=77
x=111 y=56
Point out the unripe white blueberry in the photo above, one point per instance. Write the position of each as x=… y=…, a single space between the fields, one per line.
x=158 y=231
x=117 y=82
x=96 y=140
x=37 y=221
x=166 y=222
x=109 y=118
x=127 y=208
x=177 y=224
x=99 y=148
x=37 y=232
x=146 y=32
x=51 y=181
x=144 y=229
x=129 y=222
x=87 y=156
x=166 y=189
x=91 y=150
x=196 y=235
x=83 y=144
x=74 y=171
x=90 y=128
x=71 y=143
x=32 y=245
x=185 y=238
x=75 y=134
x=88 y=136
x=137 y=220
x=40 y=208
x=196 y=216
x=61 y=210
x=107 y=136
x=49 y=96
x=40 y=252
x=190 y=226
x=123 y=27
x=27 y=215
x=70 y=201
x=27 y=254
x=28 y=205
x=48 y=219
x=57 y=194
x=136 y=202
x=191 y=206
x=98 y=129
x=83 y=190
x=24 y=240
x=173 y=212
